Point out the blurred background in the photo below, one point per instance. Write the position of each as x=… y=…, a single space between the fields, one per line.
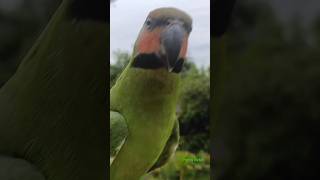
x=192 y=160
x=266 y=112
x=21 y=22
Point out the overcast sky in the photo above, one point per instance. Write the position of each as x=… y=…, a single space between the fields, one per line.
x=127 y=17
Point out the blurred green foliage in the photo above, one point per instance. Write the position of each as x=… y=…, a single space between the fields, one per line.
x=183 y=166
x=122 y=59
x=267 y=98
x=193 y=109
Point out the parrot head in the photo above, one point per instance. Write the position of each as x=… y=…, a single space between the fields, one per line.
x=163 y=40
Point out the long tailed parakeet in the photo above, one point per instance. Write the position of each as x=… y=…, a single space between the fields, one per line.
x=53 y=113
x=144 y=131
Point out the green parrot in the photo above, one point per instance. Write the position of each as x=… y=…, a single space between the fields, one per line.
x=144 y=130
x=53 y=111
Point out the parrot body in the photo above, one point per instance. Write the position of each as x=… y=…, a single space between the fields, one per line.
x=153 y=132
x=53 y=110
x=145 y=97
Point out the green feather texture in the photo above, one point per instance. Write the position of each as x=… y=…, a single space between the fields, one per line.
x=53 y=110
x=118 y=133
x=145 y=100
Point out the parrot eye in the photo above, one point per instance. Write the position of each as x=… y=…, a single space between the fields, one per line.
x=148 y=22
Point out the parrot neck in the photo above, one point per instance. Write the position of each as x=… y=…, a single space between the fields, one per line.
x=144 y=86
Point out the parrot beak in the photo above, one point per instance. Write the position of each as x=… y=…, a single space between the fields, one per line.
x=171 y=44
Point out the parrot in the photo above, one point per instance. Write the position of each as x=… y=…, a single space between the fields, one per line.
x=53 y=110
x=144 y=130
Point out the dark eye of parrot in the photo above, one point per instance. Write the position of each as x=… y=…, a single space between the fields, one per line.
x=148 y=22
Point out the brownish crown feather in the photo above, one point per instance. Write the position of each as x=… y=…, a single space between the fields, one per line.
x=170 y=12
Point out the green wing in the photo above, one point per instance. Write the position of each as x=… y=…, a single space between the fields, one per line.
x=118 y=133
x=18 y=169
x=169 y=149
